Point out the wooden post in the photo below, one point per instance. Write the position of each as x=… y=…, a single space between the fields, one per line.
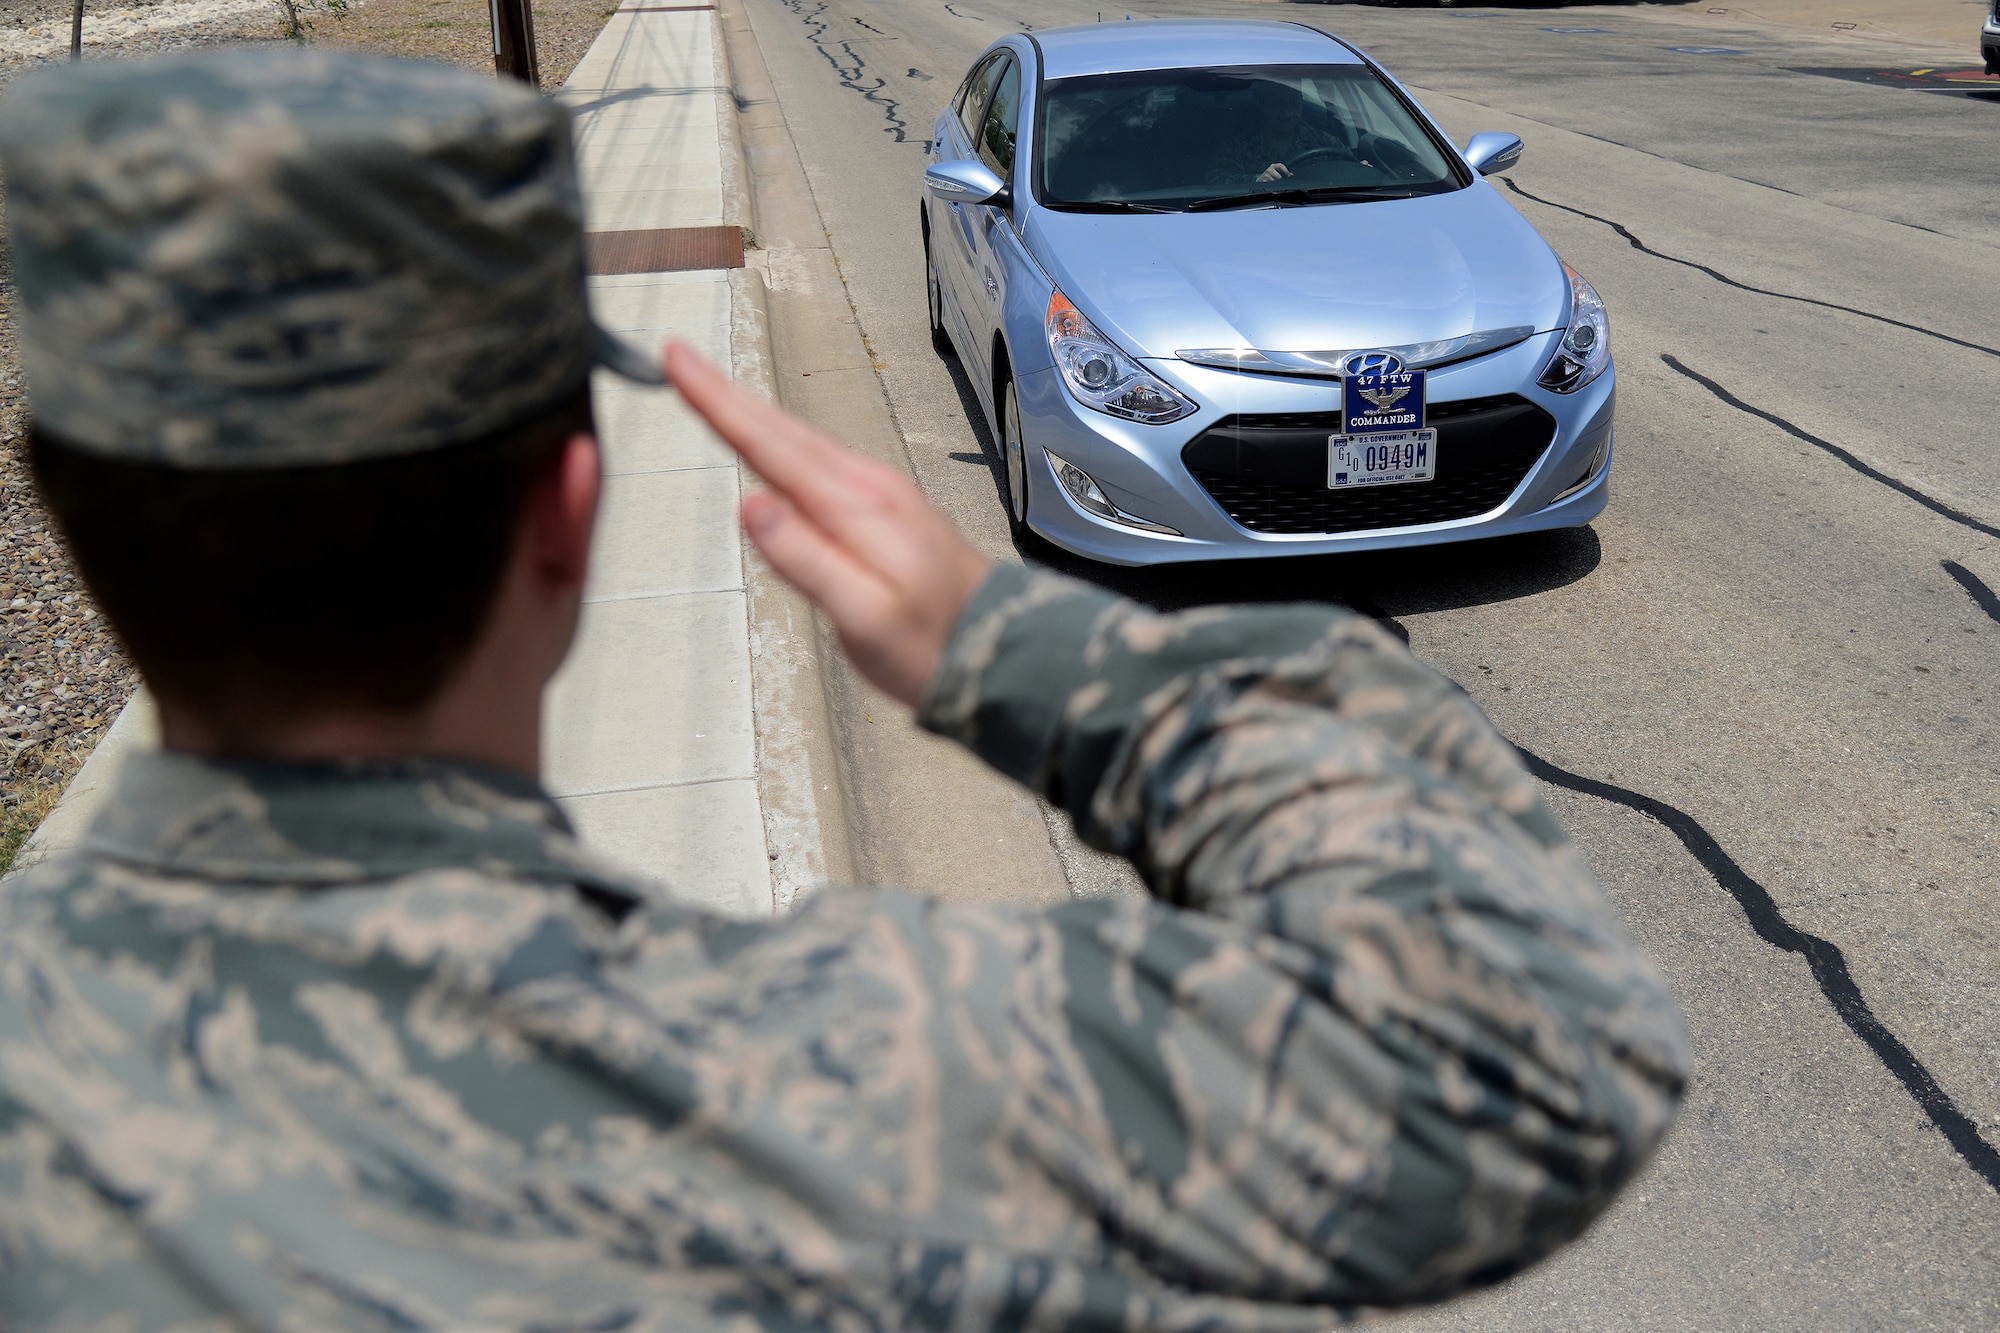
x=514 y=41
x=76 y=33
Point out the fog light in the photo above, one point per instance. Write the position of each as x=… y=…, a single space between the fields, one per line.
x=1590 y=469
x=1091 y=499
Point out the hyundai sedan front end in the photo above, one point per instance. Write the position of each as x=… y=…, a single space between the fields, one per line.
x=1226 y=291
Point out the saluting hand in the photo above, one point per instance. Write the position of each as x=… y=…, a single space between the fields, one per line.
x=858 y=538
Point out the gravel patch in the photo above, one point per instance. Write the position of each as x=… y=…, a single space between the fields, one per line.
x=127 y=30
x=461 y=33
x=63 y=674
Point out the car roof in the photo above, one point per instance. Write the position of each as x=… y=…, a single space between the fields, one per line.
x=1117 y=45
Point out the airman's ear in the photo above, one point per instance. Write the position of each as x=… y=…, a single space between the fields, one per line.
x=562 y=512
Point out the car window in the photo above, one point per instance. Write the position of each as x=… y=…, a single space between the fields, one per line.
x=972 y=98
x=1173 y=138
x=1003 y=117
x=1374 y=114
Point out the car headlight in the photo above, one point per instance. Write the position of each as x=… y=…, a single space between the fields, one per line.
x=1585 y=350
x=1102 y=377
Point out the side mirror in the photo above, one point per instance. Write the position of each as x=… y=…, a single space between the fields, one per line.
x=1489 y=153
x=966 y=181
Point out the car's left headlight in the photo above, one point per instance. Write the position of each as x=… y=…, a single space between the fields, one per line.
x=1102 y=377
x=1585 y=350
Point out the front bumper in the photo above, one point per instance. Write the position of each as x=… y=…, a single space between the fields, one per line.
x=1144 y=470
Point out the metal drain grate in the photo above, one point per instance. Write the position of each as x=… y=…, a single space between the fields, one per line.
x=663 y=250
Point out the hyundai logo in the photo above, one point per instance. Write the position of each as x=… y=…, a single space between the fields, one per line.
x=1372 y=363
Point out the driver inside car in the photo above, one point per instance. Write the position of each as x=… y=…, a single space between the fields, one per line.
x=1278 y=135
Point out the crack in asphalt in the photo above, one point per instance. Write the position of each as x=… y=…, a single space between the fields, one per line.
x=1728 y=281
x=1982 y=596
x=1929 y=502
x=955 y=14
x=850 y=73
x=1823 y=957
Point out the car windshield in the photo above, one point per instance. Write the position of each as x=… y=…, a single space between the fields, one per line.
x=1239 y=136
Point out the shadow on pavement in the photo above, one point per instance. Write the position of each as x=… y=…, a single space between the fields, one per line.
x=1383 y=584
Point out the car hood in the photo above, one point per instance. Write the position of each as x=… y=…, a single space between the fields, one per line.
x=1316 y=278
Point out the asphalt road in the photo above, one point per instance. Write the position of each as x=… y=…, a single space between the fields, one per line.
x=1763 y=685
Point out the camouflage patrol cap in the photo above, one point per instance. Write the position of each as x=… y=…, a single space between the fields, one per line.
x=286 y=258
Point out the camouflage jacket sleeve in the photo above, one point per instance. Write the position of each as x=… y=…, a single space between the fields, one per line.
x=1396 y=1043
x=375 y=1045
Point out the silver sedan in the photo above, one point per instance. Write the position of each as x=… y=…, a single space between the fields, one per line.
x=1226 y=290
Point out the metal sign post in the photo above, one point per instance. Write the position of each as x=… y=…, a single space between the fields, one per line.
x=514 y=41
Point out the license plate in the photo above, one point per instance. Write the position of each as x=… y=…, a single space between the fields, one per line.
x=1382 y=458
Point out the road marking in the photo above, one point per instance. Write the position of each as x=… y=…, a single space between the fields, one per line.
x=1972 y=84
x=1707 y=50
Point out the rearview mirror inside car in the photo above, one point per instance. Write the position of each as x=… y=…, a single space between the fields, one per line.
x=1489 y=153
x=966 y=181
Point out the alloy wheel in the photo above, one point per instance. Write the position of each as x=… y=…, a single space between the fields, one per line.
x=934 y=299
x=1014 y=457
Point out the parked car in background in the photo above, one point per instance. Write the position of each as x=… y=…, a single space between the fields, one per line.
x=1989 y=39
x=1226 y=290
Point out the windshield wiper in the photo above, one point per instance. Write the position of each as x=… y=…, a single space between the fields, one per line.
x=1325 y=194
x=1111 y=206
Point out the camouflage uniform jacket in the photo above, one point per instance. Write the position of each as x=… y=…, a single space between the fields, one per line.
x=378 y=1047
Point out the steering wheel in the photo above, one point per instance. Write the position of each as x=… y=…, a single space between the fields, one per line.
x=1312 y=153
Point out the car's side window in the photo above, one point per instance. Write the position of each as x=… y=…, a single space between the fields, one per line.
x=1003 y=118
x=973 y=104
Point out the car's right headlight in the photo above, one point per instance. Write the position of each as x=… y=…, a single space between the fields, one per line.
x=1102 y=377
x=1585 y=350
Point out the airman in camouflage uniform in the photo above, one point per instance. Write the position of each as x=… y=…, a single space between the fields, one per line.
x=374 y=1044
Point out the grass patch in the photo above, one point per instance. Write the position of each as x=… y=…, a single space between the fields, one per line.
x=27 y=806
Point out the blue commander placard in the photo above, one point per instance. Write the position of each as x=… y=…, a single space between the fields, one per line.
x=1382 y=400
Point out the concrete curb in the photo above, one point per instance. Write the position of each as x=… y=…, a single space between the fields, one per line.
x=137 y=727
x=801 y=781
x=809 y=825
x=739 y=200
x=921 y=812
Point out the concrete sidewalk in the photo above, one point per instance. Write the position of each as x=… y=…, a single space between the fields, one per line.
x=649 y=737
x=656 y=740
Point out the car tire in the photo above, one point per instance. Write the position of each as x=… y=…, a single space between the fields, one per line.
x=1013 y=466
x=934 y=299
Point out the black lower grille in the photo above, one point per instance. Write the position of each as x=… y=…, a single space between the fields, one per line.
x=1268 y=470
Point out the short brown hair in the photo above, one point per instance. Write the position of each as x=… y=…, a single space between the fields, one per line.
x=254 y=596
